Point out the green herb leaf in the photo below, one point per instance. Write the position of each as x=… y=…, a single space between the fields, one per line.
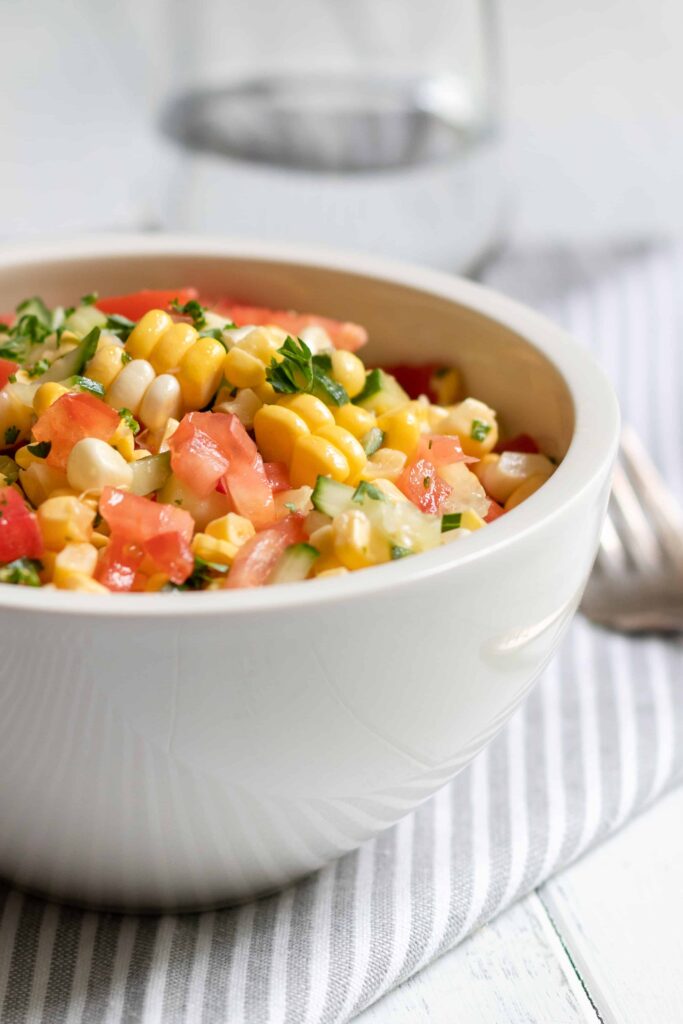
x=35 y=307
x=91 y=387
x=192 y=309
x=451 y=521
x=23 y=572
x=399 y=552
x=11 y=434
x=216 y=333
x=41 y=449
x=90 y=299
x=8 y=469
x=121 y=326
x=301 y=371
x=373 y=383
x=367 y=490
x=130 y=421
x=479 y=430
x=39 y=368
x=202 y=574
x=126 y=357
x=290 y=506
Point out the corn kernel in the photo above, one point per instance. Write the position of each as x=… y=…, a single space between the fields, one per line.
x=79 y=558
x=243 y=369
x=525 y=490
x=233 y=529
x=39 y=481
x=356 y=543
x=475 y=425
x=312 y=411
x=390 y=489
x=446 y=385
x=15 y=419
x=79 y=581
x=64 y=520
x=245 y=404
x=46 y=395
x=124 y=441
x=262 y=342
x=157 y=581
x=349 y=371
x=350 y=448
x=201 y=372
x=172 y=347
x=147 y=333
x=106 y=364
x=313 y=457
x=387 y=463
x=470 y=520
x=323 y=539
x=47 y=560
x=354 y=419
x=277 y=430
x=338 y=570
x=100 y=540
x=23 y=458
x=402 y=429
x=210 y=549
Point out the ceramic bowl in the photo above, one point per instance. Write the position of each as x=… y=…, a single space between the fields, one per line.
x=195 y=749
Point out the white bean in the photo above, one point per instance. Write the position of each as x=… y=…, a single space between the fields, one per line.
x=93 y=465
x=161 y=402
x=130 y=386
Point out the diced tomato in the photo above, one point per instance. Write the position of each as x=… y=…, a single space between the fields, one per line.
x=210 y=446
x=171 y=554
x=136 y=304
x=520 y=443
x=20 y=535
x=277 y=475
x=495 y=512
x=421 y=483
x=443 y=450
x=135 y=520
x=118 y=566
x=256 y=559
x=7 y=368
x=343 y=334
x=415 y=380
x=7 y=318
x=71 y=418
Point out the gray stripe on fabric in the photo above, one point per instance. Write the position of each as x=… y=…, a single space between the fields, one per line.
x=300 y=949
x=536 y=789
x=342 y=936
x=573 y=755
x=381 y=917
x=220 y=958
x=646 y=723
x=422 y=888
x=22 y=964
x=139 y=968
x=102 y=967
x=462 y=864
x=179 y=968
x=62 y=967
x=257 y=993
x=610 y=745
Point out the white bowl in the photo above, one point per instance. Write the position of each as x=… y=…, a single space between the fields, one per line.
x=187 y=750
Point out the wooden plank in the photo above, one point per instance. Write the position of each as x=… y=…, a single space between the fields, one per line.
x=513 y=971
x=619 y=913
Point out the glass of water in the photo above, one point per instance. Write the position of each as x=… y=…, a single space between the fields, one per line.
x=365 y=124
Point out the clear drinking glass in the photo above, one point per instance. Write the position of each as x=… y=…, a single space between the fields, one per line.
x=365 y=124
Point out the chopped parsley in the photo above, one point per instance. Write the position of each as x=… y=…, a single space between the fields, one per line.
x=130 y=421
x=373 y=383
x=301 y=371
x=202 y=574
x=91 y=387
x=367 y=490
x=22 y=572
x=479 y=430
x=39 y=368
x=126 y=357
x=399 y=552
x=90 y=299
x=194 y=310
x=121 y=326
x=451 y=521
x=41 y=449
x=11 y=434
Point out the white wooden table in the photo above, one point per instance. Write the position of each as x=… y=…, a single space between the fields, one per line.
x=600 y=943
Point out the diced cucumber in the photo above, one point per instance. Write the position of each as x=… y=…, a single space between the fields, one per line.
x=151 y=473
x=294 y=564
x=83 y=319
x=73 y=363
x=372 y=441
x=381 y=393
x=37 y=308
x=92 y=387
x=331 y=497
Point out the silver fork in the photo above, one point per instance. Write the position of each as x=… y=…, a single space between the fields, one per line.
x=637 y=582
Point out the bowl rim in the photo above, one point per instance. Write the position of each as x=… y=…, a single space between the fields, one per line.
x=590 y=454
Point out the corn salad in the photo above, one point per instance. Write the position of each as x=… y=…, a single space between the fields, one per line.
x=151 y=442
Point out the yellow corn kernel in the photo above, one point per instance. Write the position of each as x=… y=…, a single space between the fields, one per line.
x=298 y=500
x=266 y=392
x=233 y=529
x=337 y=570
x=262 y=342
x=349 y=371
x=475 y=425
x=79 y=581
x=24 y=459
x=322 y=539
x=390 y=489
x=147 y=333
x=312 y=411
x=356 y=543
x=313 y=457
x=168 y=432
x=354 y=419
x=445 y=384
x=106 y=364
x=244 y=405
x=243 y=369
x=172 y=346
x=157 y=581
x=15 y=419
x=525 y=490
x=64 y=520
x=201 y=371
x=470 y=520
x=40 y=480
x=277 y=430
x=350 y=448
x=80 y=558
x=387 y=463
x=99 y=540
x=124 y=441
x=47 y=560
x=67 y=342
x=402 y=429
x=210 y=549
x=46 y=395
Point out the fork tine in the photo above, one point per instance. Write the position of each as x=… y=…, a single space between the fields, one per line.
x=660 y=505
x=635 y=528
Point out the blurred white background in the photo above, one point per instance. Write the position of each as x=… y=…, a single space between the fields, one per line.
x=592 y=100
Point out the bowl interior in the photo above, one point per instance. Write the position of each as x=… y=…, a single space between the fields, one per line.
x=406 y=324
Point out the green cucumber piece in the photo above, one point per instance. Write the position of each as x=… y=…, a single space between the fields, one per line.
x=381 y=393
x=372 y=441
x=74 y=362
x=92 y=387
x=150 y=474
x=294 y=564
x=83 y=319
x=331 y=497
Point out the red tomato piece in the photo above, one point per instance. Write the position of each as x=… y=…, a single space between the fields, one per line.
x=495 y=511
x=520 y=443
x=171 y=554
x=7 y=368
x=118 y=565
x=135 y=520
x=256 y=559
x=415 y=380
x=344 y=334
x=71 y=418
x=277 y=475
x=7 y=318
x=20 y=535
x=136 y=304
x=421 y=483
x=198 y=457
x=443 y=450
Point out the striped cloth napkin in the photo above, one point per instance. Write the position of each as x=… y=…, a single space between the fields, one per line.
x=598 y=740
